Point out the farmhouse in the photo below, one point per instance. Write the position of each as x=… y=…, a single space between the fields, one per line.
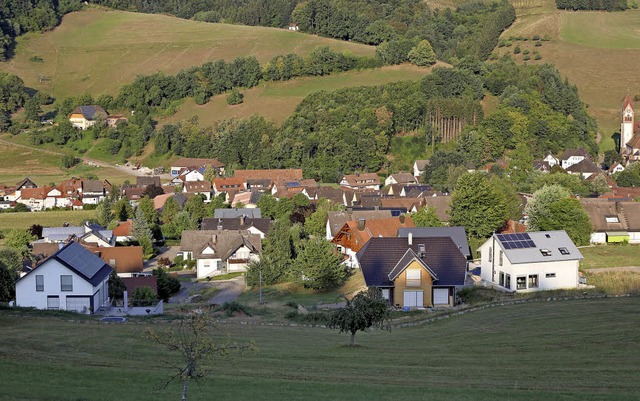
x=414 y=272
x=532 y=261
x=72 y=279
x=84 y=117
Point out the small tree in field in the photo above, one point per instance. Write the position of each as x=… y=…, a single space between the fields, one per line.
x=365 y=310
x=191 y=339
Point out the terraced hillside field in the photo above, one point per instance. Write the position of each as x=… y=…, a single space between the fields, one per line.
x=98 y=50
x=598 y=51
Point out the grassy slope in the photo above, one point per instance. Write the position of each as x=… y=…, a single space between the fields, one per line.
x=277 y=100
x=99 y=50
x=573 y=350
x=43 y=167
x=56 y=218
x=594 y=50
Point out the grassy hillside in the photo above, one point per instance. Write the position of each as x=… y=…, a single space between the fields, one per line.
x=24 y=220
x=99 y=50
x=19 y=160
x=594 y=50
x=277 y=100
x=572 y=350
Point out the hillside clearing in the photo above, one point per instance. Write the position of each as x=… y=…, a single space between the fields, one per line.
x=588 y=48
x=278 y=100
x=24 y=220
x=99 y=50
x=571 y=350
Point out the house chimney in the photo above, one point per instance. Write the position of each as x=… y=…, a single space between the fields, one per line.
x=242 y=220
x=214 y=238
x=361 y=224
x=410 y=238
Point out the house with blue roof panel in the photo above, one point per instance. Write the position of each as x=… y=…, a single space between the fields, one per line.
x=72 y=279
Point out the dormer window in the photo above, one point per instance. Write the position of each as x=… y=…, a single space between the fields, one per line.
x=612 y=219
x=563 y=251
x=545 y=252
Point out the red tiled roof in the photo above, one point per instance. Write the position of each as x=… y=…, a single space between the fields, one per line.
x=123 y=229
x=273 y=175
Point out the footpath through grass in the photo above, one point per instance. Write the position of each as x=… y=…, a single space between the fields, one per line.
x=570 y=350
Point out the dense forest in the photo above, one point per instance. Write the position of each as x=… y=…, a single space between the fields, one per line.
x=607 y=5
x=21 y=16
x=470 y=31
x=351 y=129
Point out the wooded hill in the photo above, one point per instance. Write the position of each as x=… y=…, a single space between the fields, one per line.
x=20 y=16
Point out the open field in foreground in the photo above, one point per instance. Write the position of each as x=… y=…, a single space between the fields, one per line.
x=278 y=100
x=99 y=50
x=569 y=350
x=594 y=50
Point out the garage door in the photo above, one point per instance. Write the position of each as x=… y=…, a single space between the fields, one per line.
x=413 y=299
x=81 y=304
x=440 y=296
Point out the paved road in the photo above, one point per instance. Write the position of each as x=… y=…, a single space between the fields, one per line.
x=229 y=290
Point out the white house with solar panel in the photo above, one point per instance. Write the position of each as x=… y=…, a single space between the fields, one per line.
x=72 y=279
x=533 y=261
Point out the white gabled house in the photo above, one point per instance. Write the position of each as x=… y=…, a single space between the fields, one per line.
x=532 y=261
x=220 y=251
x=72 y=279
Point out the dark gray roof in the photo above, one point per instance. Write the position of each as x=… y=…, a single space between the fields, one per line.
x=211 y=223
x=81 y=261
x=381 y=255
x=408 y=257
x=146 y=181
x=233 y=213
x=90 y=112
x=457 y=234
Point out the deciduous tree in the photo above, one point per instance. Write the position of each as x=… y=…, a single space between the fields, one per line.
x=363 y=311
x=191 y=339
x=477 y=205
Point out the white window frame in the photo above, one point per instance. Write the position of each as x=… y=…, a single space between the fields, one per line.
x=550 y=275
x=413 y=277
x=533 y=281
x=521 y=282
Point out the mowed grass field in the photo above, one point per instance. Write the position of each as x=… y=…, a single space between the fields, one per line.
x=570 y=350
x=605 y=256
x=18 y=161
x=24 y=220
x=278 y=100
x=98 y=50
x=594 y=50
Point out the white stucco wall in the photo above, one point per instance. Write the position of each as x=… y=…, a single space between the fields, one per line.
x=27 y=296
x=566 y=272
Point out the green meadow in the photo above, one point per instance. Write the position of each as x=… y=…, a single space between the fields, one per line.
x=567 y=350
x=98 y=50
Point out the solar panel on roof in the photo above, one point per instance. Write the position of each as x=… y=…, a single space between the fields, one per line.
x=516 y=241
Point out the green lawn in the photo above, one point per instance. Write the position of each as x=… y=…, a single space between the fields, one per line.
x=602 y=29
x=24 y=220
x=570 y=350
x=98 y=50
x=601 y=256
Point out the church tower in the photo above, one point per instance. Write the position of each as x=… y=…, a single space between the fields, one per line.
x=626 y=127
